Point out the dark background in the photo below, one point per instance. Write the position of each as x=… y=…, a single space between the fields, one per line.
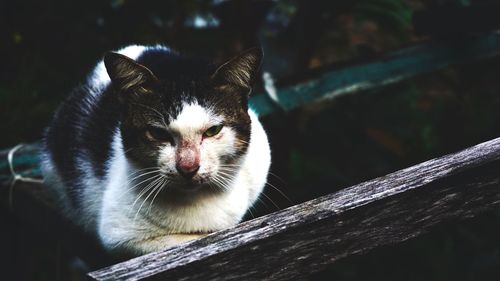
x=47 y=47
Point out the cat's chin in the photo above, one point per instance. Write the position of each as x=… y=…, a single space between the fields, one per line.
x=187 y=194
x=188 y=187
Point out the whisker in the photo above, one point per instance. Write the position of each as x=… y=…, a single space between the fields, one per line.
x=250 y=210
x=132 y=187
x=219 y=183
x=277 y=177
x=129 y=179
x=157 y=185
x=240 y=140
x=163 y=184
x=128 y=150
x=143 y=169
x=228 y=168
x=141 y=175
x=259 y=200
x=270 y=200
x=281 y=192
x=147 y=188
x=222 y=182
x=229 y=173
x=231 y=166
x=225 y=173
x=213 y=185
x=228 y=178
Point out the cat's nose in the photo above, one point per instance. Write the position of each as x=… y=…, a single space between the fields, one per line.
x=187 y=160
x=187 y=170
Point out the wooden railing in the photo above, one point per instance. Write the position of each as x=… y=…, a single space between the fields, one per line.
x=305 y=237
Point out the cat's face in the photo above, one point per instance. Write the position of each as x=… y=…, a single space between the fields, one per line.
x=194 y=132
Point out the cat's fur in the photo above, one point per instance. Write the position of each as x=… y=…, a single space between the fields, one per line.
x=101 y=138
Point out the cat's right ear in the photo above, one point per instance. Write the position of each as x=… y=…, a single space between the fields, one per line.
x=128 y=76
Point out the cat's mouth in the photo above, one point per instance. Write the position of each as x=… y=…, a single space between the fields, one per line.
x=198 y=184
x=189 y=185
x=213 y=182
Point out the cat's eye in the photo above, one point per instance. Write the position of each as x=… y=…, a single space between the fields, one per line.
x=212 y=131
x=158 y=134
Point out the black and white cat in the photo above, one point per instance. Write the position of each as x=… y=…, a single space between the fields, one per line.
x=157 y=148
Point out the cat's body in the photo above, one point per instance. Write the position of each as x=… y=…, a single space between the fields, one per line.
x=164 y=151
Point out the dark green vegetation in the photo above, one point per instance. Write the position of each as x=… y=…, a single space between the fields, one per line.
x=48 y=47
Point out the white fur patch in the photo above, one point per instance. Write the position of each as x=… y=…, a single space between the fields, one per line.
x=99 y=78
x=193 y=118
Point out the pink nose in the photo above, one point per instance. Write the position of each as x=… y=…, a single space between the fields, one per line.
x=187 y=170
x=188 y=161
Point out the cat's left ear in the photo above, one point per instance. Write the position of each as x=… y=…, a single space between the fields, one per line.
x=241 y=70
x=126 y=74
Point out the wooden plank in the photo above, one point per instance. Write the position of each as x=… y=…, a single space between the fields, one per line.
x=306 y=237
x=389 y=69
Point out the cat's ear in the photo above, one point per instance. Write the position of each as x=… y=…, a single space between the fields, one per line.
x=126 y=74
x=241 y=70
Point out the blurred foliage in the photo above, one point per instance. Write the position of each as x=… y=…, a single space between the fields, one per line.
x=390 y=15
x=49 y=47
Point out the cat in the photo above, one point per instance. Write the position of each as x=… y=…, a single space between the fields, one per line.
x=157 y=148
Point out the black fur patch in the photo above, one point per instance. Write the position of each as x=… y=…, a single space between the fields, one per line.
x=82 y=127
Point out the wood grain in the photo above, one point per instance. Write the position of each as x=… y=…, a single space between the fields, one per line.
x=306 y=237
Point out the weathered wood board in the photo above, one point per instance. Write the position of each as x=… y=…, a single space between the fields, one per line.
x=306 y=237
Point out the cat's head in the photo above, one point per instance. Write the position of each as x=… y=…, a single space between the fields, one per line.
x=194 y=129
